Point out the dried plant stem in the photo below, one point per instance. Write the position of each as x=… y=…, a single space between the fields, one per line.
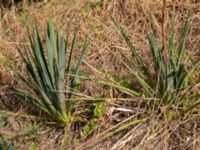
x=163 y=25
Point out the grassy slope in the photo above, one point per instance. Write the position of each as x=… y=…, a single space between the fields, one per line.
x=104 y=42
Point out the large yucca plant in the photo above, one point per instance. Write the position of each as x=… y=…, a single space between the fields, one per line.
x=171 y=82
x=51 y=80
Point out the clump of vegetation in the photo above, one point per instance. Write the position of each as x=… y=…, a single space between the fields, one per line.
x=171 y=83
x=167 y=88
x=53 y=82
x=49 y=78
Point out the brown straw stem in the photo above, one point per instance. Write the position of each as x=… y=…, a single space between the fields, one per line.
x=163 y=25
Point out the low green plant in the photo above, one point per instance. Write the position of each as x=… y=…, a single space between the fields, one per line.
x=97 y=111
x=171 y=83
x=95 y=6
x=5 y=143
x=50 y=79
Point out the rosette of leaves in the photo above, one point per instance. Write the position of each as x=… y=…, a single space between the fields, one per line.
x=171 y=82
x=51 y=78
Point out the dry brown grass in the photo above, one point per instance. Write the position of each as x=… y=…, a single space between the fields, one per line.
x=102 y=54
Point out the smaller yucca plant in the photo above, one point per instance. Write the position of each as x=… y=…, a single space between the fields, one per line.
x=51 y=80
x=171 y=82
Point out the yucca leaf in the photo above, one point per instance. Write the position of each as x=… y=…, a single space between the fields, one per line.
x=42 y=64
x=132 y=48
x=79 y=63
x=58 y=43
x=61 y=73
x=68 y=29
x=131 y=64
x=153 y=25
x=71 y=51
x=28 y=64
x=171 y=39
x=24 y=96
x=122 y=88
x=182 y=42
x=142 y=81
x=154 y=51
x=50 y=45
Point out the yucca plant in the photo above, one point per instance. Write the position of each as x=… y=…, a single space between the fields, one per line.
x=171 y=82
x=51 y=80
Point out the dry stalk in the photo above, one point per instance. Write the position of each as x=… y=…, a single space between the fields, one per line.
x=163 y=26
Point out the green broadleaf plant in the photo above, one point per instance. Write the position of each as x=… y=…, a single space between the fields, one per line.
x=47 y=70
